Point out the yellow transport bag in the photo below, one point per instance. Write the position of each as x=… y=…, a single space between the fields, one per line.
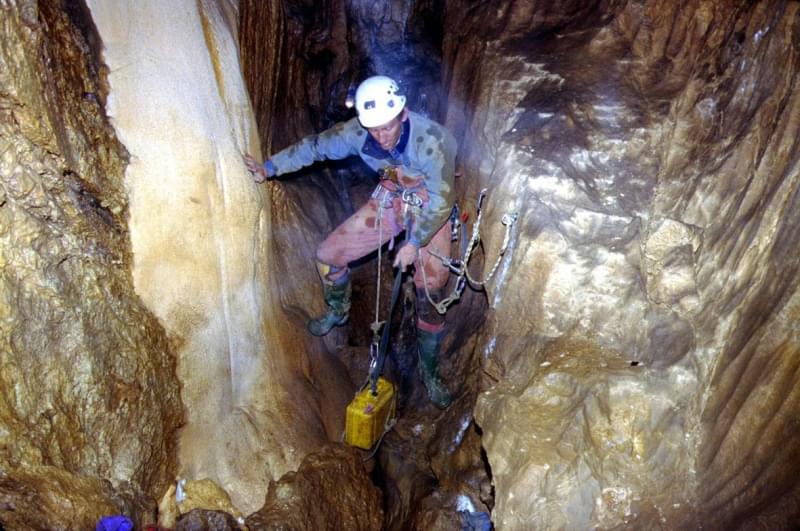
x=368 y=415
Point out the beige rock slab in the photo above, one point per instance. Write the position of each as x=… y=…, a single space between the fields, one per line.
x=199 y=229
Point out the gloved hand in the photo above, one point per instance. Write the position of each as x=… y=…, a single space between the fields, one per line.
x=406 y=256
x=260 y=173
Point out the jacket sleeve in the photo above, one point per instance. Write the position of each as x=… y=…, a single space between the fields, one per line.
x=338 y=142
x=439 y=171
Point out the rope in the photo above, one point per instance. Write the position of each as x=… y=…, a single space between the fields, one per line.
x=441 y=306
x=380 y=249
x=378 y=351
x=390 y=422
x=380 y=342
x=508 y=220
x=461 y=269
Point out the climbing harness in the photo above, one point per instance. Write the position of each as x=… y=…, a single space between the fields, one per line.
x=459 y=266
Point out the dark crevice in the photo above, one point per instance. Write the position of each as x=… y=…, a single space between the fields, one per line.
x=88 y=202
x=487 y=467
x=81 y=17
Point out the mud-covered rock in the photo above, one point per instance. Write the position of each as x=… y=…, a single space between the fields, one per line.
x=330 y=490
x=90 y=402
x=639 y=330
x=205 y=520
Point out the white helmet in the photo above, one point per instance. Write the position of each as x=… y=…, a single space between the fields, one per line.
x=378 y=100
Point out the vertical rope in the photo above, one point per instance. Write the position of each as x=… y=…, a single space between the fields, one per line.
x=380 y=248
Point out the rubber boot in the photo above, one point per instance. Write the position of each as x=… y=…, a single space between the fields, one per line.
x=337 y=298
x=428 y=344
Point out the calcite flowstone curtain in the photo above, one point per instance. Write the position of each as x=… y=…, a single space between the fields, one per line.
x=199 y=230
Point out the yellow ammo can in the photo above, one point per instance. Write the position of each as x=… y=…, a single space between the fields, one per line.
x=368 y=414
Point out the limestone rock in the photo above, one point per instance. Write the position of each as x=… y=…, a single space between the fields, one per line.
x=90 y=401
x=46 y=497
x=652 y=155
x=202 y=239
x=330 y=490
x=187 y=496
x=204 y=520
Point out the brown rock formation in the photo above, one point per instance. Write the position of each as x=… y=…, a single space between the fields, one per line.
x=204 y=520
x=633 y=363
x=208 y=260
x=652 y=151
x=330 y=490
x=89 y=403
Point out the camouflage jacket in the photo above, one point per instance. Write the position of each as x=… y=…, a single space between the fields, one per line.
x=426 y=150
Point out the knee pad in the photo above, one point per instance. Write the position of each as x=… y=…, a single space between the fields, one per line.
x=329 y=273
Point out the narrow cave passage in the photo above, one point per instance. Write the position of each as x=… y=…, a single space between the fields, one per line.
x=431 y=459
x=578 y=116
x=633 y=363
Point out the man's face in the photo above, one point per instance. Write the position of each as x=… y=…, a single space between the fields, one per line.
x=388 y=134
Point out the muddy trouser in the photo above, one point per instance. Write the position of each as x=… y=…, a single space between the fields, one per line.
x=359 y=235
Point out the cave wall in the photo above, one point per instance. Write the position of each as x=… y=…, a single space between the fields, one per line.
x=641 y=358
x=626 y=135
x=204 y=257
x=640 y=347
x=89 y=398
x=300 y=58
x=295 y=55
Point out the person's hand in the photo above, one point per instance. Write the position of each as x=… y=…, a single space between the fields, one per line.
x=255 y=168
x=406 y=256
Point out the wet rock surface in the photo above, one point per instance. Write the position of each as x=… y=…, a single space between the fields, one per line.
x=49 y=497
x=641 y=324
x=632 y=364
x=330 y=490
x=210 y=260
x=90 y=401
x=202 y=497
x=204 y=520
